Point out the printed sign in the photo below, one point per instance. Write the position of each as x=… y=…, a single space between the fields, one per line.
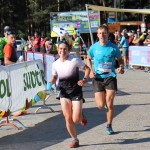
x=48 y=59
x=76 y=19
x=18 y=92
x=139 y=55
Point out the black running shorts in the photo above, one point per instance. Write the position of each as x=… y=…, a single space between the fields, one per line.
x=101 y=84
x=71 y=91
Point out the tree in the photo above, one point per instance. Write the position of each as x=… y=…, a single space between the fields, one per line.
x=27 y=16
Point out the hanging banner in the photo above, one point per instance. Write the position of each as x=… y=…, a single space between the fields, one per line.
x=5 y=91
x=38 y=55
x=76 y=19
x=48 y=60
x=29 y=56
x=139 y=55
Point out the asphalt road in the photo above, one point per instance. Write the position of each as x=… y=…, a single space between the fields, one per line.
x=46 y=130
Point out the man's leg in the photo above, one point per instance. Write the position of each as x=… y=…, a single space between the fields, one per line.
x=100 y=99
x=110 y=94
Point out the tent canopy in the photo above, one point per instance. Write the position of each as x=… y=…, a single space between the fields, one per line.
x=101 y=8
x=109 y=9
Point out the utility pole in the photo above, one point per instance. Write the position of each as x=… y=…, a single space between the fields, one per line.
x=58 y=5
x=115 y=12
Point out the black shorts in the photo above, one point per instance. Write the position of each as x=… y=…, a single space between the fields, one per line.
x=101 y=84
x=72 y=92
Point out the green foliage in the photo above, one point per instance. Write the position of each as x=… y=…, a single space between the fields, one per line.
x=28 y=16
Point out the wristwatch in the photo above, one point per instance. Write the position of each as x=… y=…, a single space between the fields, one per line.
x=84 y=79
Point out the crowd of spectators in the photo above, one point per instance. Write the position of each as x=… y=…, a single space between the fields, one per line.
x=39 y=43
x=125 y=38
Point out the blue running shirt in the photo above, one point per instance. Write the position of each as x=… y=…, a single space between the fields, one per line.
x=104 y=58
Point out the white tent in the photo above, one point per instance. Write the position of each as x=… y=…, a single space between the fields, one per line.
x=109 y=9
x=101 y=8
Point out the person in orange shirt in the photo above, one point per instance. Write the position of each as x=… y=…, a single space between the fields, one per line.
x=10 y=56
x=36 y=43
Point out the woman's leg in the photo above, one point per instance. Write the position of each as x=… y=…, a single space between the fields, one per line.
x=66 y=106
x=77 y=111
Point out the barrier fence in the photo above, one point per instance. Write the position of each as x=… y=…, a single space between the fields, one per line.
x=21 y=86
x=139 y=55
x=47 y=60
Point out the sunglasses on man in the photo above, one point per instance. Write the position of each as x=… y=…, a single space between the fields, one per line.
x=10 y=32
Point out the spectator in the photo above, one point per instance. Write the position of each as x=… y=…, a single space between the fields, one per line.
x=48 y=45
x=3 y=42
x=147 y=40
x=131 y=37
x=117 y=37
x=124 y=43
x=30 y=43
x=23 y=42
x=139 y=38
x=111 y=38
x=76 y=48
x=36 y=43
x=42 y=45
x=10 y=56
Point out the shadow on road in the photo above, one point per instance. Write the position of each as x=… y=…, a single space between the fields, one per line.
x=53 y=131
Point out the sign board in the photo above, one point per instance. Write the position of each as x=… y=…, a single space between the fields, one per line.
x=57 y=32
x=112 y=14
x=29 y=56
x=139 y=55
x=113 y=27
x=111 y=20
x=76 y=19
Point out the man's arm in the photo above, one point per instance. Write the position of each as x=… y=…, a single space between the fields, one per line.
x=87 y=71
x=89 y=64
x=120 y=69
x=7 y=61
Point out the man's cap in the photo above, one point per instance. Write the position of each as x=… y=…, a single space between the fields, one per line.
x=7 y=28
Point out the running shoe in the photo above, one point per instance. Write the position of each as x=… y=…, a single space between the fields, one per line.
x=125 y=67
x=74 y=144
x=106 y=107
x=58 y=95
x=84 y=120
x=109 y=130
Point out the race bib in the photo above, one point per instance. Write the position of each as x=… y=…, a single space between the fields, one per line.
x=105 y=67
